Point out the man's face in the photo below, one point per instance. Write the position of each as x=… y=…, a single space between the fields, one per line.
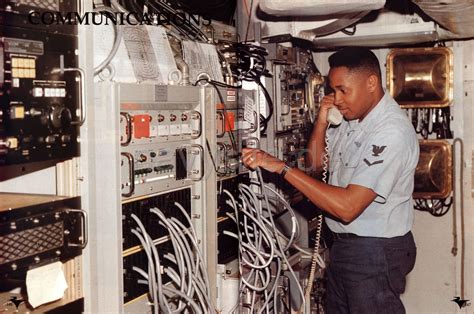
x=351 y=92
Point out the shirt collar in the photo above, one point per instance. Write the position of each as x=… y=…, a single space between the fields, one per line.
x=373 y=116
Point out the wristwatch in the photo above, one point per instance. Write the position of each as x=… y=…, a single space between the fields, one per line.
x=284 y=171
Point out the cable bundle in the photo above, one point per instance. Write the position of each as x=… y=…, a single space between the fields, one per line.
x=251 y=66
x=189 y=286
x=262 y=247
x=436 y=207
x=164 y=9
x=251 y=62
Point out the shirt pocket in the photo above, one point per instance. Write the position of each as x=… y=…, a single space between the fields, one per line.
x=350 y=160
x=350 y=157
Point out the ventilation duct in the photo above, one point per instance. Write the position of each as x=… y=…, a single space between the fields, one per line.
x=318 y=7
x=454 y=15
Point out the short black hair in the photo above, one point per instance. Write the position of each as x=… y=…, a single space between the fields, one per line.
x=356 y=58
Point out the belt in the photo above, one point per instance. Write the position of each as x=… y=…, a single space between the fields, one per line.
x=340 y=236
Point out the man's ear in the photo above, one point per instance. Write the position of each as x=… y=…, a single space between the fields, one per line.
x=372 y=83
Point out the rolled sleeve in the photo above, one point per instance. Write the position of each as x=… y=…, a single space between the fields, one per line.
x=382 y=163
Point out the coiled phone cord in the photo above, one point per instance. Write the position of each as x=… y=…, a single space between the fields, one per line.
x=316 y=257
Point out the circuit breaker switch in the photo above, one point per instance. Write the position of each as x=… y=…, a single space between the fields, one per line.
x=12 y=142
x=50 y=139
x=38 y=92
x=65 y=138
x=229 y=121
x=17 y=112
x=141 y=126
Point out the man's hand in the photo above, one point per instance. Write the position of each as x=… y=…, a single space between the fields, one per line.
x=326 y=104
x=254 y=158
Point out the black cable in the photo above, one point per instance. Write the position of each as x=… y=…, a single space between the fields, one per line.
x=437 y=208
x=210 y=154
x=270 y=109
x=212 y=159
x=349 y=32
x=251 y=66
x=186 y=28
x=221 y=98
x=220 y=84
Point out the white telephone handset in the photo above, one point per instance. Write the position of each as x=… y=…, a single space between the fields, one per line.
x=334 y=116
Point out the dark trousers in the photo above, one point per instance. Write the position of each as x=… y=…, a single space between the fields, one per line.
x=367 y=275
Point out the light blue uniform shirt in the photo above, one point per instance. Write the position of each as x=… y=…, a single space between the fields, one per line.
x=379 y=153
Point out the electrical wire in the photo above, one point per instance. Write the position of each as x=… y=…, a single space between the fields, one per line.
x=436 y=207
x=260 y=244
x=349 y=32
x=153 y=263
x=190 y=277
x=249 y=21
x=118 y=34
x=246 y=248
x=300 y=289
x=229 y=131
x=463 y=238
x=186 y=28
x=251 y=66
x=264 y=120
x=316 y=256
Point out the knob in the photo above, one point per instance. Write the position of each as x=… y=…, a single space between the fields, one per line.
x=65 y=138
x=172 y=117
x=161 y=118
x=60 y=117
x=50 y=139
x=35 y=112
x=152 y=154
x=142 y=158
x=184 y=117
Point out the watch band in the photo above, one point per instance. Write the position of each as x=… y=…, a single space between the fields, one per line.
x=284 y=171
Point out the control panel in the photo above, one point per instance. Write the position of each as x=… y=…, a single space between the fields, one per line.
x=160 y=138
x=40 y=99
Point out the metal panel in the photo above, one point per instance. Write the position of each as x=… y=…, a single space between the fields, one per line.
x=434 y=172
x=421 y=77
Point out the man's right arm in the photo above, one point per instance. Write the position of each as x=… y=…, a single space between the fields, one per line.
x=317 y=147
x=317 y=144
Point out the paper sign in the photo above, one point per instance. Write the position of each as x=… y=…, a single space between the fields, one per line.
x=45 y=284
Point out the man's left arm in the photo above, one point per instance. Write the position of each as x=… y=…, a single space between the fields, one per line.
x=381 y=164
x=343 y=203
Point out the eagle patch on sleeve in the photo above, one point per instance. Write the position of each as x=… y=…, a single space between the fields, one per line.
x=376 y=151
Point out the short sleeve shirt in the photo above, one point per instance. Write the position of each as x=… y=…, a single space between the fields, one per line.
x=380 y=153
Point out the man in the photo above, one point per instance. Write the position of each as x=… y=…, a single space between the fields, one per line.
x=372 y=159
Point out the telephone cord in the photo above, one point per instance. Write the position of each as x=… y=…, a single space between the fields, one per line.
x=314 y=261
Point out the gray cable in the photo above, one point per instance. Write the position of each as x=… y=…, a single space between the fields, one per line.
x=259 y=173
x=199 y=264
x=147 y=244
x=178 y=232
x=191 y=302
x=463 y=239
x=117 y=40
